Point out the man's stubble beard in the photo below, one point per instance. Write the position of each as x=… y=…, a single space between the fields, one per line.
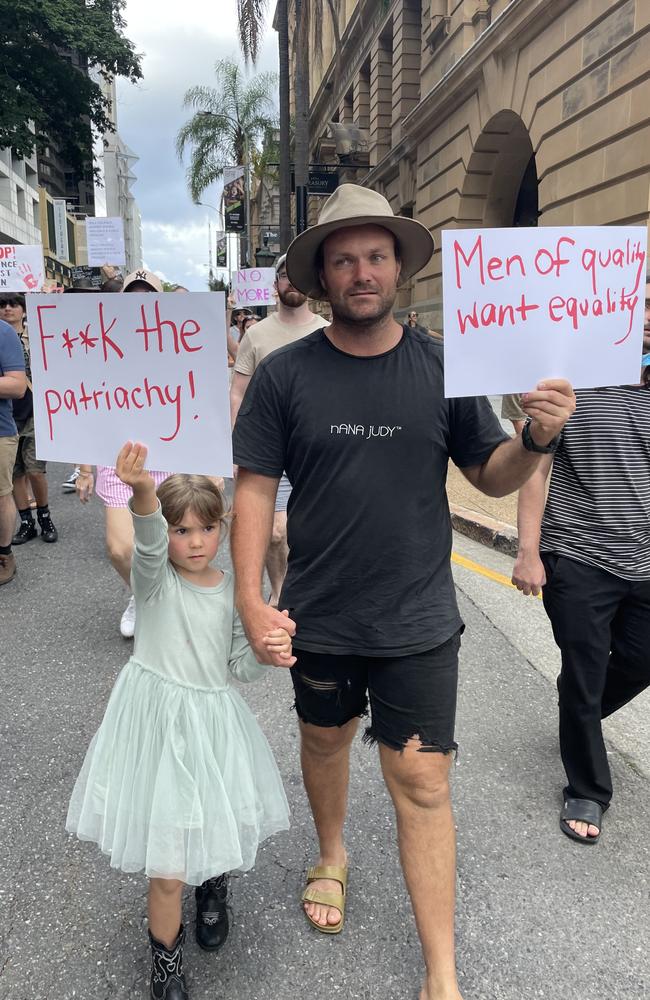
x=363 y=323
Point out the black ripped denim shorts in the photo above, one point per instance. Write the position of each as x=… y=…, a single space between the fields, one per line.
x=410 y=696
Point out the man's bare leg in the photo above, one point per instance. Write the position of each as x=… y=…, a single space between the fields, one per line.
x=277 y=555
x=325 y=759
x=418 y=782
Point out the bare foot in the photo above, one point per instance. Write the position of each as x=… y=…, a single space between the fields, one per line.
x=583 y=829
x=319 y=912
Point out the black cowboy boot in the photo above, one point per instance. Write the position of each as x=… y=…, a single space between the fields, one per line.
x=167 y=979
x=212 y=924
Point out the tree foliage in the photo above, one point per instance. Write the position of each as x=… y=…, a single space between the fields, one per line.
x=226 y=117
x=251 y=20
x=40 y=42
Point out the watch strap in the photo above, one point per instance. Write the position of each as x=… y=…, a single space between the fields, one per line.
x=530 y=445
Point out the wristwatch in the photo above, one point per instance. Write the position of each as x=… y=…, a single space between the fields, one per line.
x=529 y=444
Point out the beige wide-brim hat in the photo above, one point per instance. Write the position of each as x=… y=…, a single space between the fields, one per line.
x=353 y=205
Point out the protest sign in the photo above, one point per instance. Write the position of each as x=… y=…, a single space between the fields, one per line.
x=87 y=277
x=253 y=286
x=105 y=241
x=21 y=268
x=149 y=368
x=521 y=305
x=234 y=198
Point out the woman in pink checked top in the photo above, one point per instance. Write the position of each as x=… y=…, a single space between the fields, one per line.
x=115 y=496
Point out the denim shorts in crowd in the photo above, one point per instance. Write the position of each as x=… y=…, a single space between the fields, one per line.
x=411 y=697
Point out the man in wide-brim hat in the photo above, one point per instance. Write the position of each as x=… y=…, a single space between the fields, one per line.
x=356 y=414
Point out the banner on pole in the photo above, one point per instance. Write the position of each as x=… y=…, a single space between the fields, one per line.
x=62 y=248
x=149 y=368
x=21 y=268
x=254 y=286
x=105 y=240
x=222 y=251
x=521 y=305
x=234 y=199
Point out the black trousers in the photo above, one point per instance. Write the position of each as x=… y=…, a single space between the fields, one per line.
x=601 y=624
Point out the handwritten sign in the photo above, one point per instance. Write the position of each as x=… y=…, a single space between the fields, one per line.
x=254 y=286
x=105 y=240
x=150 y=368
x=21 y=268
x=525 y=304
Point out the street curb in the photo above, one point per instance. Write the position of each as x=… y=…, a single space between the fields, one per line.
x=487 y=530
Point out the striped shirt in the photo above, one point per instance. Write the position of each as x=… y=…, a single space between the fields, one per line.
x=598 y=506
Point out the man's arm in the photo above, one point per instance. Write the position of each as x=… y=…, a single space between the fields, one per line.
x=528 y=573
x=238 y=388
x=253 y=508
x=510 y=464
x=13 y=385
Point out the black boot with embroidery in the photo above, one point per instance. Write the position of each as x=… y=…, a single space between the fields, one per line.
x=167 y=979
x=212 y=924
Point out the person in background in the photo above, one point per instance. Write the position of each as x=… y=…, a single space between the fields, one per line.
x=29 y=474
x=13 y=384
x=511 y=410
x=112 y=285
x=586 y=546
x=248 y=323
x=292 y=321
x=412 y=321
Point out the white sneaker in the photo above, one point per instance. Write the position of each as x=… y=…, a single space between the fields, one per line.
x=69 y=485
x=127 y=621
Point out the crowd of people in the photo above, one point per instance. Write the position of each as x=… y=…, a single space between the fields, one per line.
x=361 y=604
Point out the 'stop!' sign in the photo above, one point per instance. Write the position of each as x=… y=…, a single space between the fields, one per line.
x=525 y=304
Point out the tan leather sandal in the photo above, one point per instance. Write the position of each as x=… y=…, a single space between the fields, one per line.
x=335 y=899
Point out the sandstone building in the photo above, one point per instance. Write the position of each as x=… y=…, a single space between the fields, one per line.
x=470 y=113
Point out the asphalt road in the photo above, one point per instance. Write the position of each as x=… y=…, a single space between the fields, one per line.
x=538 y=917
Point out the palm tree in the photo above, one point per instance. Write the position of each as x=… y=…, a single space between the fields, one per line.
x=226 y=118
x=309 y=15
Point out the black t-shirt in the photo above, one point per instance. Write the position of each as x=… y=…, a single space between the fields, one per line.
x=365 y=443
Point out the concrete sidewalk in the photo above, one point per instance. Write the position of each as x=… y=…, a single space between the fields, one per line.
x=489 y=520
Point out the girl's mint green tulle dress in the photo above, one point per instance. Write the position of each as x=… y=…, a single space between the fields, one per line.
x=179 y=780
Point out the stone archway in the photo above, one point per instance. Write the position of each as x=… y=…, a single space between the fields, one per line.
x=500 y=187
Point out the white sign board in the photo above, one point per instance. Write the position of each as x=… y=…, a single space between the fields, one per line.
x=521 y=305
x=253 y=286
x=151 y=368
x=105 y=239
x=21 y=268
x=60 y=229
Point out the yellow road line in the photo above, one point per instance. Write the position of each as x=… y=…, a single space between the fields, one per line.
x=483 y=570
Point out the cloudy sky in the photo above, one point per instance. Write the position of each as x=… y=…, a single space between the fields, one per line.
x=180 y=46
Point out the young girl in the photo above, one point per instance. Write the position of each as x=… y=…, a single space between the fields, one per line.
x=179 y=780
